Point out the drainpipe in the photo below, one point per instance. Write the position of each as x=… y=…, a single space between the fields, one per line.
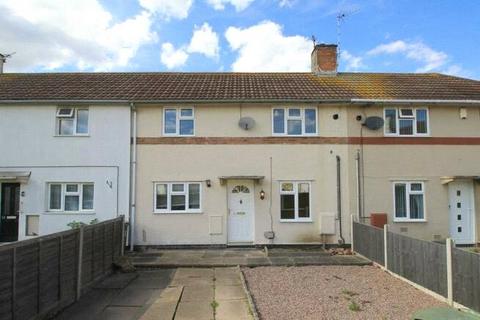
x=339 y=202
x=359 y=198
x=133 y=174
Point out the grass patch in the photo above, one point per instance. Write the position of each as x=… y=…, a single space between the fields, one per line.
x=353 y=306
x=349 y=293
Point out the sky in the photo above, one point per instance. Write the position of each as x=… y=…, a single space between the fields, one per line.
x=239 y=35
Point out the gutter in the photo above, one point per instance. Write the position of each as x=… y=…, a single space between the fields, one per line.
x=406 y=101
x=318 y=101
x=133 y=174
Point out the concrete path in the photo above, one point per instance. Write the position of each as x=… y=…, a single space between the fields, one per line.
x=202 y=294
x=245 y=257
x=120 y=297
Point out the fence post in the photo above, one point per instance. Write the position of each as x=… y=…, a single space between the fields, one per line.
x=385 y=246
x=352 y=220
x=449 y=245
x=79 y=266
x=122 y=246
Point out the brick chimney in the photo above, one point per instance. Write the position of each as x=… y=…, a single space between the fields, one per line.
x=324 y=59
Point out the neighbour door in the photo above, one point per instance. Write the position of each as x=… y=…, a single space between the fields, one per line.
x=9 y=208
x=462 y=212
x=241 y=211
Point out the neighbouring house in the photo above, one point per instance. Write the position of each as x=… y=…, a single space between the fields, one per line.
x=60 y=161
x=258 y=158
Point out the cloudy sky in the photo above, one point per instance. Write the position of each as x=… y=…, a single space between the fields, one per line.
x=239 y=35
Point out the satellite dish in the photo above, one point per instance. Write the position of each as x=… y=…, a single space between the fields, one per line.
x=373 y=123
x=246 y=123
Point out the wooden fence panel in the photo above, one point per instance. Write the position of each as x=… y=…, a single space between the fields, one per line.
x=368 y=242
x=39 y=276
x=27 y=276
x=419 y=261
x=466 y=278
x=6 y=284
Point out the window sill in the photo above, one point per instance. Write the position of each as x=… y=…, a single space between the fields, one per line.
x=70 y=213
x=295 y=135
x=409 y=220
x=71 y=136
x=179 y=135
x=296 y=221
x=176 y=212
x=407 y=135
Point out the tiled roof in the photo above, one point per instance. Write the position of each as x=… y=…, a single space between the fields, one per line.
x=234 y=86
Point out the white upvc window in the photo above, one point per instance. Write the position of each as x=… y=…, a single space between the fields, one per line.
x=294 y=121
x=295 y=201
x=70 y=197
x=409 y=201
x=177 y=197
x=406 y=121
x=178 y=121
x=72 y=121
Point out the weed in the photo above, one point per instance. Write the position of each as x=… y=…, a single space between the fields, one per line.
x=353 y=306
x=214 y=305
x=349 y=293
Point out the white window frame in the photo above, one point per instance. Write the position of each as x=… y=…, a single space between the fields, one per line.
x=397 y=122
x=64 y=193
x=295 y=193
x=301 y=117
x=409 y=192
x=170 y=192
x=178 y=117
x=74 y=116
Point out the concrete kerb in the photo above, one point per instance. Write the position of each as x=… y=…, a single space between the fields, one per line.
x=251 y=304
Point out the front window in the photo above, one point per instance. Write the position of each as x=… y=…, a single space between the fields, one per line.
x=179 y=121
x=72 y=121
x=70 y=197
x=177 y=197
x=409 y=201
x=406 y=121
x=294 y=121
x=295 y=201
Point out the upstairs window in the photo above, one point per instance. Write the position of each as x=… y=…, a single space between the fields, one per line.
x=294 y=121
x=409 y=202
x=72 y=121
x=406 y=121
x=70 y=197
x=177 y=197
x=178 y=122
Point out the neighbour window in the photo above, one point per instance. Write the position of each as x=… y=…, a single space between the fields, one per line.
x=294 y=121
x=177 y=197
x=70 y=197
x=72 y=121
x=295 y=201
x=409 y=201
x=406 y=121
x=179 y=121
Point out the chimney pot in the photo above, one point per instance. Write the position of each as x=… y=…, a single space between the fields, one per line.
x=324 y=59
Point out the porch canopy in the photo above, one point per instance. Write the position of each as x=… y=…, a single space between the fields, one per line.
x=256 y=179
x=15 y=176
x=447 y=180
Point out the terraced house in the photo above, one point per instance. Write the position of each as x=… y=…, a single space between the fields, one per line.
x=253 y=158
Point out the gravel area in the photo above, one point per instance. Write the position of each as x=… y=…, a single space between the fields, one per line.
x=333 y=292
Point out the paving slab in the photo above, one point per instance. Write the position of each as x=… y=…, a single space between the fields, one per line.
x=194 y=310
x=233 y=309
x=198 y=293
x=131 y=297
x=90 y=305
x=120 y=313
x=116 y=281
x=229 y=292
x=165 y=306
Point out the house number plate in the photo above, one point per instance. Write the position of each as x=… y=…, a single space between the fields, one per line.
x=240 y=213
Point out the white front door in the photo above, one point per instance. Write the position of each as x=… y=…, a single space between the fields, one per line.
x=240 y=211
x=462 y=210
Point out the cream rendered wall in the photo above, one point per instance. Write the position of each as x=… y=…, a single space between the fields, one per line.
x=383 y=164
